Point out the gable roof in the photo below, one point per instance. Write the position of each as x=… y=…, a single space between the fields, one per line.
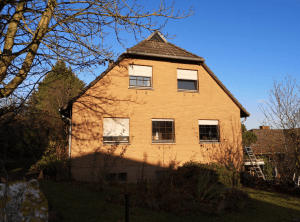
x=269 y=141
x=157 y=47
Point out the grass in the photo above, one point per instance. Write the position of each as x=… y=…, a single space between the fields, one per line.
x=78 y=203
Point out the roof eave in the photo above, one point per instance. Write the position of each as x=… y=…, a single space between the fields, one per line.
x=164 y=56
x=243 y=111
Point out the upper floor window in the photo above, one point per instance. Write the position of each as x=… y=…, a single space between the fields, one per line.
x=163 y=131
x=115 y=130
x=187 y=79
x=140 y=76
x=208 y=130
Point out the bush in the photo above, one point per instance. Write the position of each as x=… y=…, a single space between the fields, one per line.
x=268 y=169
x=228 y=177
x=53 y=163
x=236 y=199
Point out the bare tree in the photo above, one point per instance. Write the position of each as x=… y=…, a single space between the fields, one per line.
x=36 y=33
x=282 y=111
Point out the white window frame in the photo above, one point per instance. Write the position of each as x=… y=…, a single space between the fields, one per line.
x=115 y=130
x=187 y=75
x=209 y=123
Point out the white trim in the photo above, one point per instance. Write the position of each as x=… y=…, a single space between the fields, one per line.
x=187 y=74
x=160 y=35
x=248 y=163
x=208 y=122
x=137 y=70
x=162 y=120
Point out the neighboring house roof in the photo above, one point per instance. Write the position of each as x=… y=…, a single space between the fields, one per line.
x=268 y=141
x=157 y=47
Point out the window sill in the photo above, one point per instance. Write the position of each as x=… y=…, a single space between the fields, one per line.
x=209 y=142
x=187 y=90
x=140 y=87
x=162 y=143
x=115 y=143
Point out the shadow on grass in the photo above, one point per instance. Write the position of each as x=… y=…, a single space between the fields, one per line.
x=78 y=203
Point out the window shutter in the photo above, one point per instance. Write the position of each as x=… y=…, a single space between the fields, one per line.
x=208 y=122
x=115 y=126
x=187 y=74
x=135 y=70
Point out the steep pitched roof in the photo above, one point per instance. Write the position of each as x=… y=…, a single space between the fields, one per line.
x=157 y=47
x=269 y=141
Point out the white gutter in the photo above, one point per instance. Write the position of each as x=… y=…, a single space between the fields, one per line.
x=70 y=130
x=244 y=120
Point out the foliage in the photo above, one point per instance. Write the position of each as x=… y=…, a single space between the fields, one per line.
x=56 y=89
x=207 y=190
x=64 y=197
x=268 y=170
x=228 y=177
x=282 y=111
x=236 y=199
x=104 y=159
x=54 y=163
x=248 y=136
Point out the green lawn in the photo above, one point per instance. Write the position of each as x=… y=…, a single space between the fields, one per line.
x=78 y=203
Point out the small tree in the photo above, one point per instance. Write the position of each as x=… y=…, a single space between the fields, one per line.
x=248 y=136
x=282 y=111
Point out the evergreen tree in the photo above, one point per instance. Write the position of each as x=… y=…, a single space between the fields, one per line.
x=56 y=89
x=248 y=136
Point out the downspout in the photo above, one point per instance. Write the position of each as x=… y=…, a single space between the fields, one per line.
x=70 y=129
x=244 y=120
x=70 y=132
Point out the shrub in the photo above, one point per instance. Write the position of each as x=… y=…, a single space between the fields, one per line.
x=267 y=169
x=53 y=163
x=236 y=199
x=208 y=191
x=228 y=177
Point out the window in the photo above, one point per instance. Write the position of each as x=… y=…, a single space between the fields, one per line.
x=208 y=130
x=187 y=79
x=140 y=76
x=115 y=130
x=159 y=174
x=139 y=81
x=117 y=177
x=163 y=131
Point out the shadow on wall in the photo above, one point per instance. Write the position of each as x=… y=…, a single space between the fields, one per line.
x=92 y=158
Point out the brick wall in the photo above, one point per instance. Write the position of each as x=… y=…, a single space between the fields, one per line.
x=110 y=97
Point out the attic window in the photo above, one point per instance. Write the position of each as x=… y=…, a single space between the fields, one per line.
x=187 y=79
x=156 y=38
x=140 y=76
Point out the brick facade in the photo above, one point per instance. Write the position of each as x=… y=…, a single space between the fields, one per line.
x=111 y=97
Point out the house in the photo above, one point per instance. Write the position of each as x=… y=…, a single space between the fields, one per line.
x=158 y=105
x=274 y=144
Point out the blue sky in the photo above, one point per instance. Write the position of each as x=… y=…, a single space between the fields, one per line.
x=247 y=44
